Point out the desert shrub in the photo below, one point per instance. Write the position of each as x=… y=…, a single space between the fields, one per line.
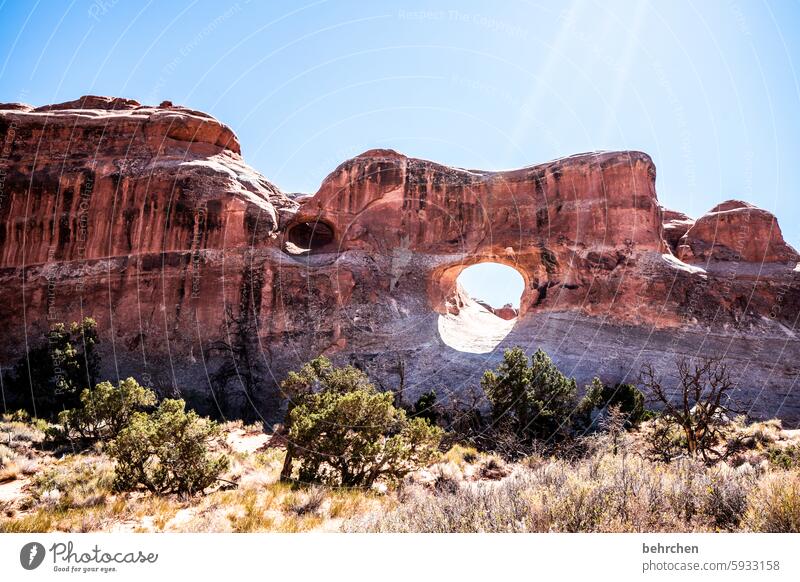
x=446 y=479
x=463 y=415
x=628 y=399
x=105 y=409
x=493 y=468
x=663 y=439
x=317 y=375
x=344 y=432
x=425 y=407
x=9 y=467
x=726 y=496
x=18 y=443
x=774 y=506
x=461 y=455
x=167 y=451
x=762 y=433
x=787 y=457
x=535 y=400
x=452 y=508
x=15 y=434
x=308 y=502
x=18 y=416
x=598 y=493
x=6 y=456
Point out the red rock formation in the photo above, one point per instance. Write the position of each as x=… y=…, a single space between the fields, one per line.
x=206 y=279
x=382 y=199
x=506 y=312
x=143 y=217
x=546 y=220
x=676 y=225
x=736 y=231
x=97 y=183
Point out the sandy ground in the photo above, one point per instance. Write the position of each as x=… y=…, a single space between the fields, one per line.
x=12 y=490
x=244 y=442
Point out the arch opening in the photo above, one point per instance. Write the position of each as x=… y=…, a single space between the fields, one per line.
x=482 y=308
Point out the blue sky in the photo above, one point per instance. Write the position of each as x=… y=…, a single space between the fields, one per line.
x=494 y=283
x=709 y=89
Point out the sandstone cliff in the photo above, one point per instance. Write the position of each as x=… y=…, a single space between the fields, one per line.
x=207 y=280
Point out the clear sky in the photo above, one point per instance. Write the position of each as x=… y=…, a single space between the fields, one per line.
x=494 y=283
x=708 y=88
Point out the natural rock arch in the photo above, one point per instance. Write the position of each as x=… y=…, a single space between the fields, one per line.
x=465 y=324
x=172 y=236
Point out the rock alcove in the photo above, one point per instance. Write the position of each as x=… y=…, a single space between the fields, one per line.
x=310 y=237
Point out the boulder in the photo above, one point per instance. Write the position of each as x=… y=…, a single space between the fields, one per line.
x=736 y=231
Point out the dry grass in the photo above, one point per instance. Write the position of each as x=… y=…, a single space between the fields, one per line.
x=346 y=503
x=462 y=456
x=74 y=482
x=71 y=494
x=466 y=491
x=14 y=433
x=600 y=493
x=18 y=457
x=764 y=433
x=775 y=504
x=9 y=464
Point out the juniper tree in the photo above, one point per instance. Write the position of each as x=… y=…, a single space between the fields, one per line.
x=534 y=399
x=343 y=431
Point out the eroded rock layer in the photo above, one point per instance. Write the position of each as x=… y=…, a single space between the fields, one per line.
x=208 y=281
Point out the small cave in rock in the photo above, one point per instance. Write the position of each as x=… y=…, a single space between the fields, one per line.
x=482 y=308
x=310 y=237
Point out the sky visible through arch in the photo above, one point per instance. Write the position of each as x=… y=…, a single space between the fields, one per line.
x=709 y=89
x=493 y=283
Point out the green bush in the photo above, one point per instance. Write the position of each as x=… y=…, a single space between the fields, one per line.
x=425 y=407
x=105 y=410
x=536 y=401
x=787 y=457
x=344 y=432
x=627 y=397
x=167 y=451
x=19 y=416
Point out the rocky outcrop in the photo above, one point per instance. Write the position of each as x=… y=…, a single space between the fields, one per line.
x=506 y=312
x=382 y=200
x=736 y=231
x=207 y=280
x=145 y=218
x=676 y=225
x=126 y=180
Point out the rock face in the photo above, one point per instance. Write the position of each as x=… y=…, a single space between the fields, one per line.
x=736 y=231
x=145 y=218
x=207 y=280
